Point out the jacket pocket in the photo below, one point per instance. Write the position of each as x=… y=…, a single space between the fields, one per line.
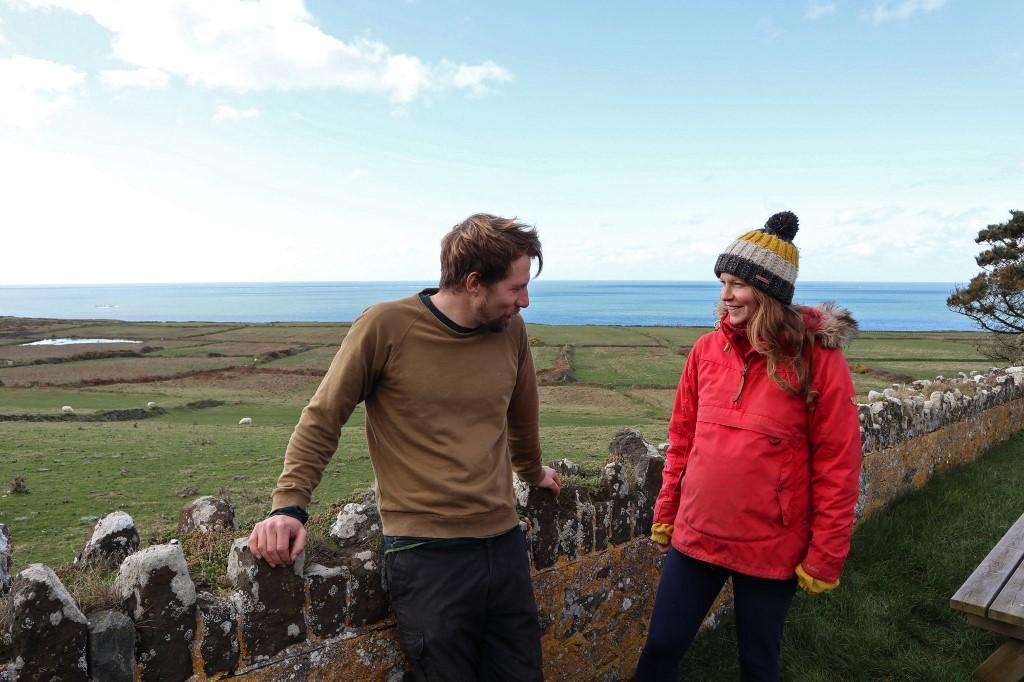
x=412 y=645
x=784 y=505
x=735 y=483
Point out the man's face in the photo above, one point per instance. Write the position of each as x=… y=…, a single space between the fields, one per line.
x=498 y=303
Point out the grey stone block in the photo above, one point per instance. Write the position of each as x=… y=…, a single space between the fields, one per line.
x=217 y=640
x=111 y=647
x=113 y=538
x=328 y=595
x=49 y=633
x=5 y=559
x=205 y=514
x=365 y=600
x=627 y=447
x=159 y=595
x=540 y=508
x=575 y=522
x=269 y=602
x=358 y=525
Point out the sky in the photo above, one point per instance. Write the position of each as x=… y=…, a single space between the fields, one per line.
x=283 y=140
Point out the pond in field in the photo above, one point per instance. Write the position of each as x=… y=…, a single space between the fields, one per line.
x=71 y=341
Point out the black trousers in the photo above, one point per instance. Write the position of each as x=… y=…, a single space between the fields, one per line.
x=686 y=591
x=466 y=611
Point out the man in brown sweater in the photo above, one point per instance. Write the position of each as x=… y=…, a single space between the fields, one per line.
x=451 y=411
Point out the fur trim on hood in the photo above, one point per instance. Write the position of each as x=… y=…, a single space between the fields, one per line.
x=836 y=326
x=833 y=326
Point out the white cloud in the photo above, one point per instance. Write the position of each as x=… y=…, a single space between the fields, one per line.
x=890 y=10
x=215 y=230
x=150 y=79
x=359 y=173
x=3 y=40
x=251 y=45
x=817 y=9
x=474 y=78
x=889 y=243
x=91 y=229
x=860 y=217
x=226 y=113
x=33 y=90
x=861 y=249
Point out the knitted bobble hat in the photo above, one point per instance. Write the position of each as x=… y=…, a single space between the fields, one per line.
x=766 y=258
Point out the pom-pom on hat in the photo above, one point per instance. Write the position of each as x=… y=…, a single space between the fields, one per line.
x=766 y=258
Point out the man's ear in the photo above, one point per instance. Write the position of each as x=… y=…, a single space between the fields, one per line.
x=473 y=283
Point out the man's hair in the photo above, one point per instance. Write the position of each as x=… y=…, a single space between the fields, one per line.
x=487 y=245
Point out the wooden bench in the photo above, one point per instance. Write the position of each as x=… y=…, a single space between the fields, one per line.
x=993 y=599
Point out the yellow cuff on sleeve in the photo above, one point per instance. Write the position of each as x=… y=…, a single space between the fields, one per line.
x=661 y=533
x=811 y=584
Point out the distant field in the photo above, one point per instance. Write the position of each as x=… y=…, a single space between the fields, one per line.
x=314 y=358
x=239 y=349
x=544 y=356
x=625 y=367
x=560 y=335
x=13 y=354
x=140 y=331
x=112 y=370
x=621 y=377
x=313 y=334
x=932 y=345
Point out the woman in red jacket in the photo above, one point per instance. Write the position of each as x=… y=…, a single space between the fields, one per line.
x=763 y=466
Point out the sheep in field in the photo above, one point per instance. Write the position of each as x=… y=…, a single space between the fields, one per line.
x=245 y=421
x=67 y=409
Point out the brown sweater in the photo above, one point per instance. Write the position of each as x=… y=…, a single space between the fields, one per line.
x=448 y=417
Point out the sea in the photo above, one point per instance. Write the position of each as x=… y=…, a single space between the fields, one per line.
x=878 y=306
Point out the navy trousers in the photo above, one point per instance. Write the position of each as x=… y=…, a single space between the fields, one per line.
x=686 y=591
x=465 y=610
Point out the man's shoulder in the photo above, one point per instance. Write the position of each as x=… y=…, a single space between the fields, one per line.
x=516 y=331
x=388 y=313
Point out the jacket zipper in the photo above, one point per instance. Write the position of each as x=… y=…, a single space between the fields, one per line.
x=743 y=380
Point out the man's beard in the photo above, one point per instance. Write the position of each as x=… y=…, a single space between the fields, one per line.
x=500 y=324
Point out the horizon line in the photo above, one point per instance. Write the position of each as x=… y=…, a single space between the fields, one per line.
x=432 y=282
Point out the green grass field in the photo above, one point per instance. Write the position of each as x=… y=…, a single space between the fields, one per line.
x=622 y=377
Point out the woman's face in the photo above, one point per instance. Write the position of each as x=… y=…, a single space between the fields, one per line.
x=738 y=297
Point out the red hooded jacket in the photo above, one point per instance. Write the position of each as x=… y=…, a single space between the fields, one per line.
x=754 y=480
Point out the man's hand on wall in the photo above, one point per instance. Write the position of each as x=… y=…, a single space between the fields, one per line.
x=552 y=481
x=278 y=540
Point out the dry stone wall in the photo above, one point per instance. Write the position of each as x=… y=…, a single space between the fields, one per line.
x=910 y=432
x=594 y=572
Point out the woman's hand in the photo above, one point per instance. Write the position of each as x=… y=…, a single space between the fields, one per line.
x=812 y=585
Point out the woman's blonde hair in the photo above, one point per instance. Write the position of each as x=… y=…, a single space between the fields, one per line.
x=777 y=331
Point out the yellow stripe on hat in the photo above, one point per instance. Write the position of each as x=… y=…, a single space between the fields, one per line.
x=780 y=247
